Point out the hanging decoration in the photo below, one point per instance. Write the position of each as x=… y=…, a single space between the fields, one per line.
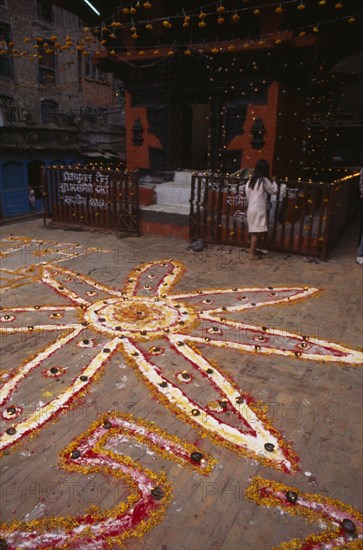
x=345 y=523
x=102 y=38
x=95 y=451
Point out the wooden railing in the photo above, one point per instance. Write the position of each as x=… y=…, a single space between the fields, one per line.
x=106 y=199
x=304 y=217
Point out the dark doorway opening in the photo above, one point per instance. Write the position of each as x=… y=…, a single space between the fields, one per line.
x=35 y=177
x=35 y=182
x=195 y=136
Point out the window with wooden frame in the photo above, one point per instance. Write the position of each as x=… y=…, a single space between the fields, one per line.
x=90 y=69
x=45 y=11
x=5 y=40
x=48 y=110
x=46 y=64
x=7 y=108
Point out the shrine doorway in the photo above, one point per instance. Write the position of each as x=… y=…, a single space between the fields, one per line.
x=200 y=136
x=189 y=132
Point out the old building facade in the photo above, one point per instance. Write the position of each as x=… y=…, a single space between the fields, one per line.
x=56 y=106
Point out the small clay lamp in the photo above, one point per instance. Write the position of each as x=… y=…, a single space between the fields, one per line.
x=157 y=493
x=196 y=456
x=291 y=496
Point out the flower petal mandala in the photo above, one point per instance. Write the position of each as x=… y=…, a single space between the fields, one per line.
x=345 y=523
x=10 y=279
x=78 y=288
x=248 y=338
x=9 y=386
x=145 y=320
x=37 y=318
x=149 y=493
x=219 y=301
x=38 y=414
x=152 y=278
x=251 y=436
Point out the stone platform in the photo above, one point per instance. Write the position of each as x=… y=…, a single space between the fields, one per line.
x=168 y=213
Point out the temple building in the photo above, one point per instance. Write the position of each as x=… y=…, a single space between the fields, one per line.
x=220 y=86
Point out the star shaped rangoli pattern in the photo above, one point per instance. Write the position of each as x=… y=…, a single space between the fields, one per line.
x=160 y=334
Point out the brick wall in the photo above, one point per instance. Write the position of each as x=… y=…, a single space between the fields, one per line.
x=70 y=91
x=24 y=87
x=96 y=94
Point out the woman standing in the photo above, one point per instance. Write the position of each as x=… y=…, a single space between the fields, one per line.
x=258 y=190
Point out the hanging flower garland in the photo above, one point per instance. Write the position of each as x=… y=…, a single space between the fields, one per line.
x=100 y=39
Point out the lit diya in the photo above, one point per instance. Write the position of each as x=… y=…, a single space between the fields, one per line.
x=184 y=377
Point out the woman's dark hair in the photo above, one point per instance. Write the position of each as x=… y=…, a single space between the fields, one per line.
x=262 y=170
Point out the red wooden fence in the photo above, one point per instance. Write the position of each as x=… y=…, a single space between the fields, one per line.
x=304 y=218
x=105 y=199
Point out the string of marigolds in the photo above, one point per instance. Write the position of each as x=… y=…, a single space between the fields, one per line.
x=90 y=40
x=214 y=9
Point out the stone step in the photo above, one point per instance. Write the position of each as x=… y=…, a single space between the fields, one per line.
x=167 y=209
x=183 y=176
x=172 y=193
x=165 y=219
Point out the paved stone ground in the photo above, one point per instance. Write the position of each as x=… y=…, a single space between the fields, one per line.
x=317 y=406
